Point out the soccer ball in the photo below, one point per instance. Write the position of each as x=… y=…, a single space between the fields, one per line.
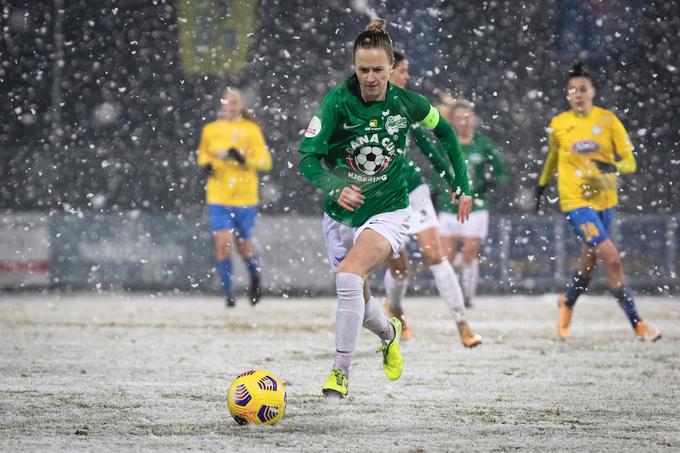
x=370 y=159
x=257 y=397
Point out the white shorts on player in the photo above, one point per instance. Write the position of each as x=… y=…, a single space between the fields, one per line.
x=339 y=238
x=475 y=227
x=423 y=215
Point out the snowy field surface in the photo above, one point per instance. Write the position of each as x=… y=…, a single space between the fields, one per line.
x=136 y=372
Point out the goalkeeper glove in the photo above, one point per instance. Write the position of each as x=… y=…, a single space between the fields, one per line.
x=234 y=154
x=207 y=170
x=604 y=167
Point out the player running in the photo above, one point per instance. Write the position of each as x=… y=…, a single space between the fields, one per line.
x=485 y=170
x=589 y=146
x=353 y=151
x=423 y=223
x=232 y=151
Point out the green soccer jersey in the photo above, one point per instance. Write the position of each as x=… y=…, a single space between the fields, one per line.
x=485 y=170
x=362 y=143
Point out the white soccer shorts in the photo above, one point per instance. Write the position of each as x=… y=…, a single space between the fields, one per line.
x=339 y=238
x=477 y=226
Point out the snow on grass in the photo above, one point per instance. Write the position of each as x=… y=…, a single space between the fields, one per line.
x=119 y=372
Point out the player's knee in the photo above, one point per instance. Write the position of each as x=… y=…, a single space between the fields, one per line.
x=433 y=256
x=222 y=247
x=398 y=267
x=349 y=266
x=469 y=256
x=613 y=260
x=609 y=253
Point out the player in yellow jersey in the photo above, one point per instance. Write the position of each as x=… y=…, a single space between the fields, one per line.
x=232 y=151
x=589 y=146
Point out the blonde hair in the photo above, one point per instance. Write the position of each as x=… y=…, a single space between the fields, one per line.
x=377 y=24
x=244 y=112
x=375 y=36
x=462 y=104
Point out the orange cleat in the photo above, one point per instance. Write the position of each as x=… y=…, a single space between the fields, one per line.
x=467 y=337
x=565 y=318
x=646 y=332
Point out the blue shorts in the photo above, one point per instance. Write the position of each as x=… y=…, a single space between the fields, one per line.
x=591 y=226
x=240 y=220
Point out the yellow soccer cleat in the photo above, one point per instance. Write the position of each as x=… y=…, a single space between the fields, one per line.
x=393 y=361
x=336 y=385
x=467 y=337
x=646 y=332
x=565 y=318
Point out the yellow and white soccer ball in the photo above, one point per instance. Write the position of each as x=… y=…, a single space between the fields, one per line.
x=256 y=397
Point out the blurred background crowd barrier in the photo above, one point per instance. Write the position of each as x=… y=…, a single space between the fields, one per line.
x=103 y=104
x=142 y=251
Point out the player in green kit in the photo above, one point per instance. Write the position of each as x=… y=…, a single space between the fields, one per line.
x=353 y=150
x=424 y=225
x=485 y=170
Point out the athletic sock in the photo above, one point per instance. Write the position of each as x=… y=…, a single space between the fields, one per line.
x=624 y=296
x=470 y=277
x=348 y=318
x=395 y=290
x=376 y=321
x=224 y=270
x=576 y=286
x=253 y=265
x=449 y=288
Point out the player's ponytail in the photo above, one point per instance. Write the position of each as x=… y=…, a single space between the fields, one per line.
x=375 y=37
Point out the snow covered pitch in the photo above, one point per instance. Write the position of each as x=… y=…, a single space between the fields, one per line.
x=135 y=372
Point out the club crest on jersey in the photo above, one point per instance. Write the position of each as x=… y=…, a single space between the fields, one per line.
x=585 y=147
x=373 y=123
x=394 y=123
x=596 y=130
x=369 y=155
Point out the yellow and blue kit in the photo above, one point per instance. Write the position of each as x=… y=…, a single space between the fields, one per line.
x=233 y=184
x=580 y=145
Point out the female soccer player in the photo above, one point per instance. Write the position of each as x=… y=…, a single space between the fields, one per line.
x=232 y=151
x=359 y=133
x=589 y=146
x=486 y=170
x=423 y=223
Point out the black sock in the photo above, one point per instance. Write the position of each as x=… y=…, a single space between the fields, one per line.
x=576 y=286
x=624 y=296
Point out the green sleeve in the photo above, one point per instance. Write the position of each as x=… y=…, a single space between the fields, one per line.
x=449 y=141
x=311 y=168
x=436 y=155
x=428 y=117
x=441 y=192
x=321 y=126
